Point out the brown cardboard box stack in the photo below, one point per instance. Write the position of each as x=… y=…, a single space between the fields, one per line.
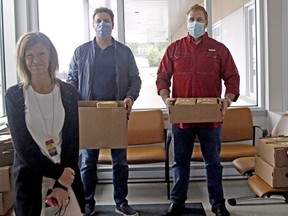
x=195 y=110
x=6 y=160
x=272 y=163
x=102 y=124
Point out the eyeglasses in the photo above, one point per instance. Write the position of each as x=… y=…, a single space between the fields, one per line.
x=61 y=211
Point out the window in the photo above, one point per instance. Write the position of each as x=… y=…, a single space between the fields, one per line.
x=146 y=33
x=250 y=28
x=148 y=27
x=216 y=31
x=63 y=22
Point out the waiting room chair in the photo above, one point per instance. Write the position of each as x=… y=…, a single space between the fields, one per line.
x=246 y=166
x=238 y=136
x=147 y=141
x=261 y=190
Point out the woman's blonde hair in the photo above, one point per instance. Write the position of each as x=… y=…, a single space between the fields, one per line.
x=25 y=43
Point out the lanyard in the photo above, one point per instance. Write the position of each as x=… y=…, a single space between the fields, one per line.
x=45 y=124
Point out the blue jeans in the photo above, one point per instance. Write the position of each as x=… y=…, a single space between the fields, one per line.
x=210 y=141
x=120 y=174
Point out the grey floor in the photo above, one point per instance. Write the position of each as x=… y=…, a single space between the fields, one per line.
x=156 y=193
x=152 y=193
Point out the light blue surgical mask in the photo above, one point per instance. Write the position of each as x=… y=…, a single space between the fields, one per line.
x=196 y=29
x=103 y=29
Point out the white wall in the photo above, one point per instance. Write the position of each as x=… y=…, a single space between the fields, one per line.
x=274 y=62
x=233 y=37
x=276 y=58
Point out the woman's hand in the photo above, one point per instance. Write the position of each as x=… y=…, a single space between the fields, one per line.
x=61 y=196
x=67 y=177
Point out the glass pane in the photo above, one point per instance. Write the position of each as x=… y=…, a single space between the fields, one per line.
x=149 y=27
x=63 y=22
x=147 y=34
x=251 y=51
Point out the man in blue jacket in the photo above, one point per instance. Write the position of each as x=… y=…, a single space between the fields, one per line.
x=104 y=69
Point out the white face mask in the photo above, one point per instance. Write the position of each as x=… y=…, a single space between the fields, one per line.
x=196 y=29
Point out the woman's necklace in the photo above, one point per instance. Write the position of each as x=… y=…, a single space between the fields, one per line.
x=50 y=144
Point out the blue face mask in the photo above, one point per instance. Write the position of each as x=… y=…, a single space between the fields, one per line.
x=196 y=29
x=103 y=29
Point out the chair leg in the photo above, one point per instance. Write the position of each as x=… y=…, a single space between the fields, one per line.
x=234 y=201
x=268 y=196
x=167 y=173
x=167 y=177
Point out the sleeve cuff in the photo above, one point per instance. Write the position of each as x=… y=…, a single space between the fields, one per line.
x=58 y=185
x=131 y=98
x=229 y=101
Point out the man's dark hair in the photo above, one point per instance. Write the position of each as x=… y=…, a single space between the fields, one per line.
x=104 y=10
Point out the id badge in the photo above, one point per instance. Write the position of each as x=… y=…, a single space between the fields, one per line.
x=51 y=147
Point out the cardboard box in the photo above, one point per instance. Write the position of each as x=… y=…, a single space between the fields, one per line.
x=5 y=179
x=6 y=202
x=275 y=139
x=195 y=110
x=275 y=177
x=102 y=127
x=274 y=150
x=6 y=150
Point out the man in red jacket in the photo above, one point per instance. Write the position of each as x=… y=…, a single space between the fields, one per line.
x=197 y=64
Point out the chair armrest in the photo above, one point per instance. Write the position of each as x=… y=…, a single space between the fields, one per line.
x=264 y=132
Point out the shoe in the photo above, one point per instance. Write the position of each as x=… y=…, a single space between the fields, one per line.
x=174 y=210
x=221 y=211
x=90 y=210
x=126 y=210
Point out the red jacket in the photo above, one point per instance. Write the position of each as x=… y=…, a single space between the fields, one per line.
x=197 y=70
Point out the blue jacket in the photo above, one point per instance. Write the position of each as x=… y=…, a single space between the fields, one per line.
x=81 y=71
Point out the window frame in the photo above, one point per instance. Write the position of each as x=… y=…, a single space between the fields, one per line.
x=251 y=86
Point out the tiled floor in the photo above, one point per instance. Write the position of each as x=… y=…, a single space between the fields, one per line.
x=147 y=193
x=156 y=193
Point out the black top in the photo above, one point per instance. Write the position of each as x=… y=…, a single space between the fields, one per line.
x=30 y=165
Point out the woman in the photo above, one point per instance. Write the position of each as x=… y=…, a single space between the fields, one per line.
x=42 y=113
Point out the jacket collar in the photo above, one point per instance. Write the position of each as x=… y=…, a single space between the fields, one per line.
x=96 y=45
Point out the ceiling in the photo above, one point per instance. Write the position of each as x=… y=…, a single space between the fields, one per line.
x=154 y=20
